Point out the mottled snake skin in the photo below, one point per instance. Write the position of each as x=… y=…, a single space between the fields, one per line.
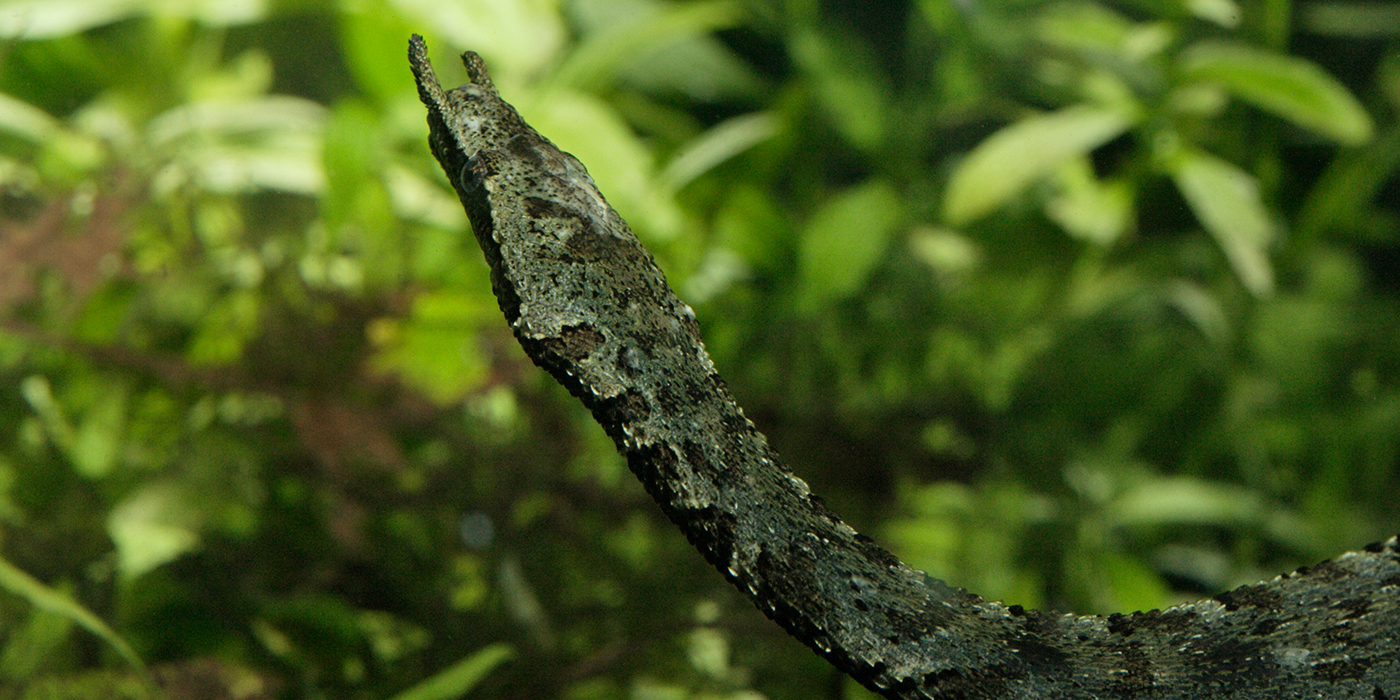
x=589 y=305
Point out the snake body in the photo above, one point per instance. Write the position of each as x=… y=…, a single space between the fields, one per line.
x=588 y=304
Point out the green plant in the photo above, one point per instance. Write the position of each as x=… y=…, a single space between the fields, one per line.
x=1062 y=298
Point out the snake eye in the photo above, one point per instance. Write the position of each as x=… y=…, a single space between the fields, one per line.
x=469 y=178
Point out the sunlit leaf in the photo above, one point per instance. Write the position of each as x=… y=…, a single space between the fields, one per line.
x=695 y=64
x=435 y=348
x=722 y=142
x=1226 y=200
x=844 y=239
x=92 y=445
x=288 y=164
x=708 y=649
x=1089 y=209
x=248 y=76
x=98 y=438
x=271 y=143
x=1084 y=27
x=25 y=120
x=1012 y=159
x=243 y=118
x=214 y=13
x=154 y=525
x=517 y=37
x=66 y=152
x=1225 y=13
x=1292 y=88
x=603 y=53
x=45 y=19
x=1184 y=501
x=417 y=198
x=946 y=251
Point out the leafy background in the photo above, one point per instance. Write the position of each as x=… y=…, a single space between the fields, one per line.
x=1091 y=306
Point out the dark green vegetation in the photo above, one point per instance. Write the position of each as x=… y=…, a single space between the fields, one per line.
x=1085 y=306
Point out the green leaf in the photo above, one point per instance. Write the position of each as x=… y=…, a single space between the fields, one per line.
x=517 y=37
x=1132 y=584
x=20 y=583
x=1226 y=201
x=29 y=645
x=844 y=240
x=1086 y=28
x=946 y=251
x=417 y=198
x=97 y=441
x=226 y=327
x=1289 y=87
x=848 y=81
x=1185 y=501
x=1225 y=13
x=371 y=30
x=236 y=120
x=156 y=524
x=603 y=53
x=92 y=447
x=105 y=314
x=66 y=153
x=1090 y=210
x=931 y=537
x=355 y=196
x=44 y=19
x=10 y=512
x=751 y=224
x=696 y=64
x=22 y=119
x=435 y=349
x=244 y=145
x=1202 y=308
x=1353 y=20
x=1017 y=156
x=1342 y=196
x=708 y=649
x=722 y=142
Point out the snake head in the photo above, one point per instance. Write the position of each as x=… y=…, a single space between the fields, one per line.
x=475 y=134
x=464 y=121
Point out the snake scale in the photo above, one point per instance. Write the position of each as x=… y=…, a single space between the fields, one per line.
x=589 y=304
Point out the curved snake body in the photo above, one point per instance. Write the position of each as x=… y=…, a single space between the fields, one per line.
x=589 y=304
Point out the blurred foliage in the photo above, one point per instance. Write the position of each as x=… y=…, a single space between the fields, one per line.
x=1085 y=305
